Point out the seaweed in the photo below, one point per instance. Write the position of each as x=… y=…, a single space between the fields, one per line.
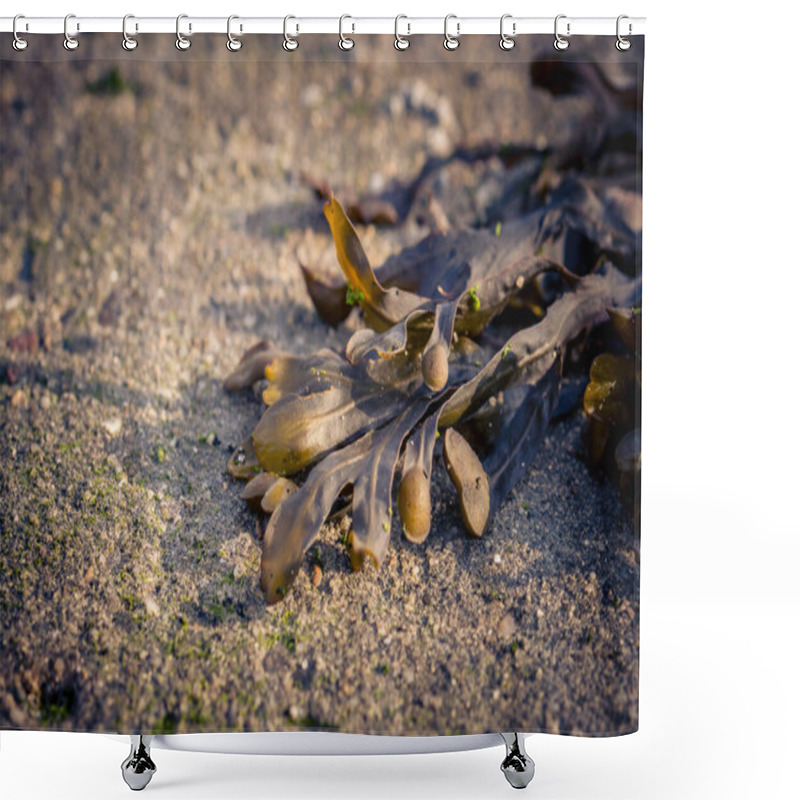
x=344 y=422
x=611 y=401
x=468 y=337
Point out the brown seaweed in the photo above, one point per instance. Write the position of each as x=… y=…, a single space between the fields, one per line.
x=519 y=438
x=250 y=367
x=257 y=487
x=485 y=271
x=414 y=494
x=368 y=464
x=529 y=354
x=317 y=404
x=416 y=369
x=470 y=479
x=435 y=356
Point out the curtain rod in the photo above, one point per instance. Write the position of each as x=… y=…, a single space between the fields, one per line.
x=298 y=26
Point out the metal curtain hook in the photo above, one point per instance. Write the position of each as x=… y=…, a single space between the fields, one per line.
x=622 y=43
x=400 y=42
x=19 y=44
x=344 y=42
x=451 y=42
x=234 y=44
x=507 y=42
x=128 y=42
x=70 y=42
x=290 y=43
x=561 y=43
x=181 y=42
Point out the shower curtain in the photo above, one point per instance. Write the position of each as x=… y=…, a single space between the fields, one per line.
x=319 y=386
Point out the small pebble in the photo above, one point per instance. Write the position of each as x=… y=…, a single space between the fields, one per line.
x=25 y=342
x=13 y=302
x=507 y=626
x=312 y=95
x=113 y=426
x=12 y=373
x=151 y=605
x=110 y=310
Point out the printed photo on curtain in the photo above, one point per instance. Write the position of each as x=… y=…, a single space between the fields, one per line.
x=320 y=383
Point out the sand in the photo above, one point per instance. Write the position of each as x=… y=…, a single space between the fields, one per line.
x=152 y=230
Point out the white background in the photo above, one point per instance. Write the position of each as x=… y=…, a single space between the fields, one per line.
x=720 y=621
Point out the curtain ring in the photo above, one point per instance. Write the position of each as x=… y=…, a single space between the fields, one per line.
x=622 y=43
x=561 y=43
x=181 y=42
x=128 y=42
x=507 y=42
x=345 y=43
x=234 y=44
x=451 y=42
x=70 y=42
x=19 y=43
x=401 y=42
x=290 y=43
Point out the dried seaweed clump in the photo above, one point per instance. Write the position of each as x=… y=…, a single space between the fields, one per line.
x=424 y=367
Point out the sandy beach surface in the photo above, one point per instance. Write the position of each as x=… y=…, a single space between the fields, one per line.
x=154 y=217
